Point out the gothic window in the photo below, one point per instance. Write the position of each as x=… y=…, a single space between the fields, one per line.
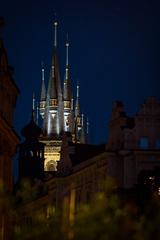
x=51 y=166
x=144 y=143
x=158 y=143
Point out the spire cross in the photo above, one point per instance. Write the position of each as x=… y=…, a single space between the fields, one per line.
x=55 y=33
x=77 y=90
x=67 y=47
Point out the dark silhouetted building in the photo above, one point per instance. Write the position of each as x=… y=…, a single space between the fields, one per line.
x=8 y=138
x=31 y=153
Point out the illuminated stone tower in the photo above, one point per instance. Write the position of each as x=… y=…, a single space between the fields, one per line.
x=57 y=110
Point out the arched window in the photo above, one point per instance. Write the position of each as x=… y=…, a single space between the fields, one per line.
x=158 y=143
x=51 y=166
x=144 y=143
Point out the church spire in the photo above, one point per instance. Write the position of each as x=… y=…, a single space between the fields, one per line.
x=33 y=102
x=72 y=104
x=77 y=107
x=54 y=85
x=37 y=113
x=55 y=32
x=67 y=47
x=54 y=92
x=43 y=88
x=67 y=95
x=33 y=108
x=78 y=123
x=82 y=136
x=43 y=94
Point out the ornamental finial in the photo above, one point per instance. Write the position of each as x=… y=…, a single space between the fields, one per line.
x=67 y=47
x=55 y=30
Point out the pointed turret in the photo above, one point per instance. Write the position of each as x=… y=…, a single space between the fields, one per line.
x=54 y=78
x=33 y=108
x=54 y=92
x=52 y=89
x=67 y=93
x=77 y=109
x=82 y=136
x=43 y=88
x=77 y=106
x=71 y=119
x=78 y=125
x=31 y=152
x=43 y=94
x=72 y=104
x=46 y=119
x=37 y=114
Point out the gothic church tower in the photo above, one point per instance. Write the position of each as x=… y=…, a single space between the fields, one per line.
x=58 y=111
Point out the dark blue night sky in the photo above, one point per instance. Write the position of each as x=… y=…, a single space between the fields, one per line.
x=114 y=53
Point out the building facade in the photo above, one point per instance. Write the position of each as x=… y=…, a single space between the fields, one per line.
x=8 y=138
x=133 y=144
x=132 y=149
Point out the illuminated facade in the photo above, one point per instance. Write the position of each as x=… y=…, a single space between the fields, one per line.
x=131 y=156
x=58 y=111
